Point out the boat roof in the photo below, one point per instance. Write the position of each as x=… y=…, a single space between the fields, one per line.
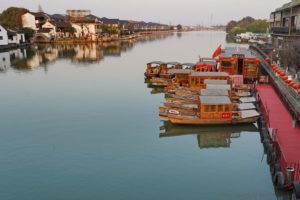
x=214 y=92
x=213 y=100
x=157 y=62
x=216 y=82
x=219 y=87
x=249 y=113
x=180 y=71
x=224 y=74
x=207 y=62
x=228 y=52
x=246 y=106
x=173 y=63
x=247 y=99
x=189 y=64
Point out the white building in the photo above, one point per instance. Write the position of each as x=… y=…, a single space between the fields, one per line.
x=88 y=30
x=15 y=37
x=3 y=36
x=29 y=21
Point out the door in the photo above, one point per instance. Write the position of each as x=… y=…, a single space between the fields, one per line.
x=240 y=66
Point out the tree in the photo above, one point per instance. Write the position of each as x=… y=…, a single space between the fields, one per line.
x=28 y=32
x=258 y=26
x=179 y=27
x=11 y=17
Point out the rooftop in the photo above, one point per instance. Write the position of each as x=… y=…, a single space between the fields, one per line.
x=214 y=92
x=289 y=5
x=223 y=74
x=228 y=52
x=214 y=100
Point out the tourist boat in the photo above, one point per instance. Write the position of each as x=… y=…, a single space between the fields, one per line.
x=239 y=61
x=165 y=70
x=153 y=69
x=205 y=65
x=214 y=110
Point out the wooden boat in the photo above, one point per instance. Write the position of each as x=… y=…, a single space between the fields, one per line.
x=206 y=65
x=162 y=82
x=153 y=69
x=239 y=61
x=165 y=70
x=215 y=110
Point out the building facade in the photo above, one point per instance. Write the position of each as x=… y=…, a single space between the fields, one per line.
x=3 y=36
x=285 y=21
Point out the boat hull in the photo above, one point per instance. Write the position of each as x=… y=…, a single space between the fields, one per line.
x=197 y=121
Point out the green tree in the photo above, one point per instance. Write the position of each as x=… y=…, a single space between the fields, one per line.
x=179 y=27
x=258 y=26
x=11 y=17
x=28 y=32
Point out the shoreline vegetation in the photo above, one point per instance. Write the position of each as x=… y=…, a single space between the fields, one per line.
x=247 y=24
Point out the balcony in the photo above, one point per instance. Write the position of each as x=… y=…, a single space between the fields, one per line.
x=285 y=31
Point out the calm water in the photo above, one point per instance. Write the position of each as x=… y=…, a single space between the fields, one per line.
x=78 y=122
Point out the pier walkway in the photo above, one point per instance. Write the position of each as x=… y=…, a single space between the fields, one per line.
x=285 y=134
x=288 y=95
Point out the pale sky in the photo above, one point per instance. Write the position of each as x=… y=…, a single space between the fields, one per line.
x=187 y=12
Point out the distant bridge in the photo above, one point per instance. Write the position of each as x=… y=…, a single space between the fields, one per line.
x=41 y=38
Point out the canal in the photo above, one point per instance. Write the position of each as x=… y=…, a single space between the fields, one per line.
x=79 y=122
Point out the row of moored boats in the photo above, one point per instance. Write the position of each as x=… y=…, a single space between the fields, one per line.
x=212 y=91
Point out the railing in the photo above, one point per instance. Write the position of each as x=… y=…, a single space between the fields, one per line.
x=285 y=30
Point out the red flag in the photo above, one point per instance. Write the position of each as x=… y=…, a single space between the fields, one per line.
x=217 y=52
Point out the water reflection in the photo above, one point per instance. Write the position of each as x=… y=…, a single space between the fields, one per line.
x=42 y=55
x=207 y=136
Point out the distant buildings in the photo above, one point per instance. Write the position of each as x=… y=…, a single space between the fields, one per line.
x=76 y=24
x=285 y=21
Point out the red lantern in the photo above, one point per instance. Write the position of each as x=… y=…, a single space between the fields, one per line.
x=267 y=59
x=282 y=73
x=284 y=78
x=298 y=91
x=291 y=83
x=295 y=86
x=288 y=81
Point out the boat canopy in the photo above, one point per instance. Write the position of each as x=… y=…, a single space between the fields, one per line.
x=249 y=113
x=156 y=63
x=173 y=63
x=212 y=62
x=246 y=106
x=222 y=74
x=214 y=92
x=229 y=52
x=247 y=99
x=215 y=82
x=180 y=71
x=219 y=87
x=214 y=100
x=189 y=64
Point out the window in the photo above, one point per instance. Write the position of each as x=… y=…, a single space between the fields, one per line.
x=1 y=37
x=220 y=108
x=226 y=64
x=213 y=108
x=251 y=64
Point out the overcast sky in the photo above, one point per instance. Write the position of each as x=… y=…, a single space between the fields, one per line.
x=188 y=12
